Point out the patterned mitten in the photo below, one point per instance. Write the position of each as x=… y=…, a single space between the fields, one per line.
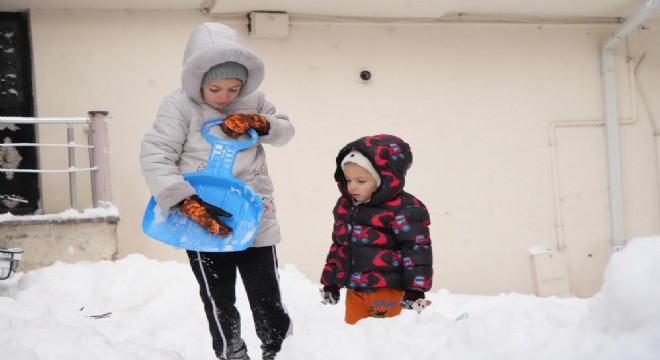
x=206 y=215
x=237 y=124
x=411 y=296
x=329 y=294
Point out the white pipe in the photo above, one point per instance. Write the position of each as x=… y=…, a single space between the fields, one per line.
x=654 y=125
x=554 y=154
x=611 y=120
x=307 y=19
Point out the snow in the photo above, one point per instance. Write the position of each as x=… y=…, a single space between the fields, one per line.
x=107 y=211
x=61 y=312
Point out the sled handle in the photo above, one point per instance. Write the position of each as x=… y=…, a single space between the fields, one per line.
x=223 y=151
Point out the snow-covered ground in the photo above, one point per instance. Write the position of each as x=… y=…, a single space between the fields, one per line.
x=138 y=308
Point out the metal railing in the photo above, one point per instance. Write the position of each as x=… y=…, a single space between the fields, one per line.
x=99 y=154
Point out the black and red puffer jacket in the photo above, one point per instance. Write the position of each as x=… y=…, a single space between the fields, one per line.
x=384 y=243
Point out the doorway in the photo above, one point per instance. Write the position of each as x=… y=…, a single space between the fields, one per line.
x=19 y=191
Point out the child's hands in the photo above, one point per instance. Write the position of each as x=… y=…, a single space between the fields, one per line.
x=206 y=215
x=237 y=124
x=329 y=294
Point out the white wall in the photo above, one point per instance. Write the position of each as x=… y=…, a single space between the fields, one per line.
x=476 y=103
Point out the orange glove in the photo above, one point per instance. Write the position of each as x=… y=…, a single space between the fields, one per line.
x=206 y=215
x=237 y=124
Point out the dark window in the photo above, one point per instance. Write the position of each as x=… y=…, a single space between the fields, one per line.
x=16 y=99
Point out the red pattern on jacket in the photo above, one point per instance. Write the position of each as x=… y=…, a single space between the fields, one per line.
x=384 y=243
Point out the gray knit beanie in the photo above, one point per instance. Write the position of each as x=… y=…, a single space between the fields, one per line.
x=224 y=70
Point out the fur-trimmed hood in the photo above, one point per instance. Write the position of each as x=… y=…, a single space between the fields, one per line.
x=211 y=44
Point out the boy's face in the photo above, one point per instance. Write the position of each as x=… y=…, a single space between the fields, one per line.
x=361 y=185
x=221 y=92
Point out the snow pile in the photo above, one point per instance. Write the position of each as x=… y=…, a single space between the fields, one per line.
x=142 y=309
x=630 y=297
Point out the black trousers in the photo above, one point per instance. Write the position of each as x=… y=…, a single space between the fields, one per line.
x=216 y=274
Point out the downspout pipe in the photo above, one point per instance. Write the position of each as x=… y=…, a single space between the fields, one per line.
x=608 y=68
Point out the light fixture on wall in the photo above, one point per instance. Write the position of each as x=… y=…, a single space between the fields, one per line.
x=365 y=75
x=268 y=24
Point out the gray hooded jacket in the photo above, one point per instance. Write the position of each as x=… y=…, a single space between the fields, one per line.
x=175 y=144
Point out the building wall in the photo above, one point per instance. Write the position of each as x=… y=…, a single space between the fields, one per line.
x=504 y=121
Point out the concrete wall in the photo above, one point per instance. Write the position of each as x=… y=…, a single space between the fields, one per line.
x=45 y=242
x=504 y=122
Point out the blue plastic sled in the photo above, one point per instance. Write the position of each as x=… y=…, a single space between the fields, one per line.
x=215 y=185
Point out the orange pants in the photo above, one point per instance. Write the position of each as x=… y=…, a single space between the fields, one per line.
x=381 y=303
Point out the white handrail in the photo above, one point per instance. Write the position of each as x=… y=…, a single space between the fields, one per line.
x=98 y=153
x=72 y=145
x=69 y=170
x=43 y=120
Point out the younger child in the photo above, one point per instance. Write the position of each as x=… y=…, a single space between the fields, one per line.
x=381 y=248
x=220 y=79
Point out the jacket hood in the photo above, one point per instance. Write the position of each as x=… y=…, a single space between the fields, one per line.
x=211 y=44
x=389 y=155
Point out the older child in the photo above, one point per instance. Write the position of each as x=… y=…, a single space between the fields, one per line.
x=381 y=249
x=220 y=79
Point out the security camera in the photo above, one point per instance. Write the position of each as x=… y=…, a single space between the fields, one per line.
x=365 y=75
